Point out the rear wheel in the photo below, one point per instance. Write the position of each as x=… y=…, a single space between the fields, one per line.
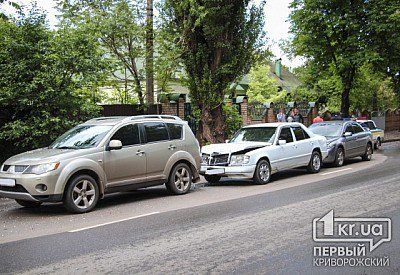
x=180 y=179
x=212 y=178
x=81 y=195
x=378 y=144
x=314 y=166
x=29 y=204
x=262 y=175
x=339 y=159
x=368 y=153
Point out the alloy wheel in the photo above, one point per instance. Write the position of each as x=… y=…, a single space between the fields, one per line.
x=83 y=194
x=264 y=172
x=316 y=162
x=182 y=179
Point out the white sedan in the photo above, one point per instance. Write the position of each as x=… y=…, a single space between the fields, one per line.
x=258 y=151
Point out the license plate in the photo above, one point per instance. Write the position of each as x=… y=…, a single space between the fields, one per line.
x=7 y=182
x=215 y=171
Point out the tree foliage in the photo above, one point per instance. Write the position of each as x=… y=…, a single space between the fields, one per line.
x=263 y=88
x=217 y=41
x=48 y=81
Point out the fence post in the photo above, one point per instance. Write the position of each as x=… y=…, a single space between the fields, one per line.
x=181 y=108
x=243 y=110
x=269 y=114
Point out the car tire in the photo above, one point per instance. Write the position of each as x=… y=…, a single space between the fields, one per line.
x=378 y=144
x=339 y=158
x=262 y=175
x=81 y=195
x=314 y=166
x=180 y=179
x=212 y=178
x=368 y=153
x=29 y=204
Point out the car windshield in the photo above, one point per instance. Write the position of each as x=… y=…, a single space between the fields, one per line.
x=326 y=129
x=81 y=137
x=256 y=134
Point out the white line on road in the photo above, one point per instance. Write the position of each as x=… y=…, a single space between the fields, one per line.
x=341 y=170
x=107 y=223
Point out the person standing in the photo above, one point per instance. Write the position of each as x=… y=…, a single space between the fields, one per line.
x=297 y=116
x=290 y=117
x=318 y=119
x=281 y=116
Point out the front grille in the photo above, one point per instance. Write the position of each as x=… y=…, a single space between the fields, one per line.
x=15 y=169
x=219 y=160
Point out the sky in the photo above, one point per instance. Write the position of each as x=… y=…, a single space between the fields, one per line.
x=276 y=24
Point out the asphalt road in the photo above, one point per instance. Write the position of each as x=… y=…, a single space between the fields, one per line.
x=232 y=227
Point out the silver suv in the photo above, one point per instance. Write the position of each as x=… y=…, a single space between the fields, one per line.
x=104 y=155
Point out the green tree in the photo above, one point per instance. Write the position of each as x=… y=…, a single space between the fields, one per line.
x=8 y=2
x=333 y=35
x=217 y=41
x=48 y=81
x=263 y=88
x=121 y=27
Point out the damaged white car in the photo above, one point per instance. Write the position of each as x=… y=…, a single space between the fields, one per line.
x=258 y=151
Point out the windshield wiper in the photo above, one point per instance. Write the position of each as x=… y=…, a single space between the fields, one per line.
x=66 y=147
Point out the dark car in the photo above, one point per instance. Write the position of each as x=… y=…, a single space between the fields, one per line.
x=346 y=139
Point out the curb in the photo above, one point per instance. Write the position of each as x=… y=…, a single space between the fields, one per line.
x=391 y=140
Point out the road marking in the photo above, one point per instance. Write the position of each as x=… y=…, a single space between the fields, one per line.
x=341 y=170
x=107 y=223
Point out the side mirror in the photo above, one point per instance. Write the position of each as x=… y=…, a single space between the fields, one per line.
x=115 y=145
x=281 y=142
x=348 y=134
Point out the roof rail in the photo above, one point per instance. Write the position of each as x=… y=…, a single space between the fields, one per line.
x=152 y=116
x=104 y=118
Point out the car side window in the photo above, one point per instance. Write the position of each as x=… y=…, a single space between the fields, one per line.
x=175 y=131
x=357 y=128
x=155 y=131
x=299 y=133
x=371 y=125
x=349 y=128
x=128 y=135
x=286 y=134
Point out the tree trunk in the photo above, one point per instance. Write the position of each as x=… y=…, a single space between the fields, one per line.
x=212 y=126
x=347 y=80
x=149 y=54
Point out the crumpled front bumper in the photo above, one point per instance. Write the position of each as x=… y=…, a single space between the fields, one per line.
x=246 y=171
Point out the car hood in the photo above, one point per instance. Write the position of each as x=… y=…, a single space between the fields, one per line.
x=227 y=148
x=43 y=155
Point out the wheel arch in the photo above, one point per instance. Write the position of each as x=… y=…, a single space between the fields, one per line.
x=88 y=172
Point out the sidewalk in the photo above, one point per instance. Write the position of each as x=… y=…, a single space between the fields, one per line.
x=392 y=136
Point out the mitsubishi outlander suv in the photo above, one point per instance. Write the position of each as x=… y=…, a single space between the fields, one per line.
x=104 y=155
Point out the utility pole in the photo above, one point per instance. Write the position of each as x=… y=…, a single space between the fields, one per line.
x=149 y=53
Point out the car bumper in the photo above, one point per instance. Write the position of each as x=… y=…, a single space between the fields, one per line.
x=26 y=187
x=331 y=155
x=245 y=172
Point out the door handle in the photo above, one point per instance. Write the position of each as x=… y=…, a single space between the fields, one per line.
x=172 y=147
x=312 y=143
x=140 y=153
x=294 y=146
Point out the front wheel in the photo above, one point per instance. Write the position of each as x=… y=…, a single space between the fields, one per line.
x=314 y=166
x=29 y=204
x=339 y=159
x=81 y=195
x=262 y=175
x=368 y=153
x=378 y=144
x=180 y=179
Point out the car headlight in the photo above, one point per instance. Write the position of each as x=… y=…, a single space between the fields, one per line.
x=42 y=168
x=204 y=158
x=239 y=159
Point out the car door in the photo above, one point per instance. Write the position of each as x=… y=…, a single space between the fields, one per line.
x=304 y=145
x=361 y=138
x=127 y=165
x=286 y=153
x=350 y=141
x=158 y=149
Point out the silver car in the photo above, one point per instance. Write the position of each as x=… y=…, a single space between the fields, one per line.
x=104 y=155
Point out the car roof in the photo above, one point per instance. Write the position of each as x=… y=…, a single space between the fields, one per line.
x=273 y=124
x=114 y=120
x=363 y=120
